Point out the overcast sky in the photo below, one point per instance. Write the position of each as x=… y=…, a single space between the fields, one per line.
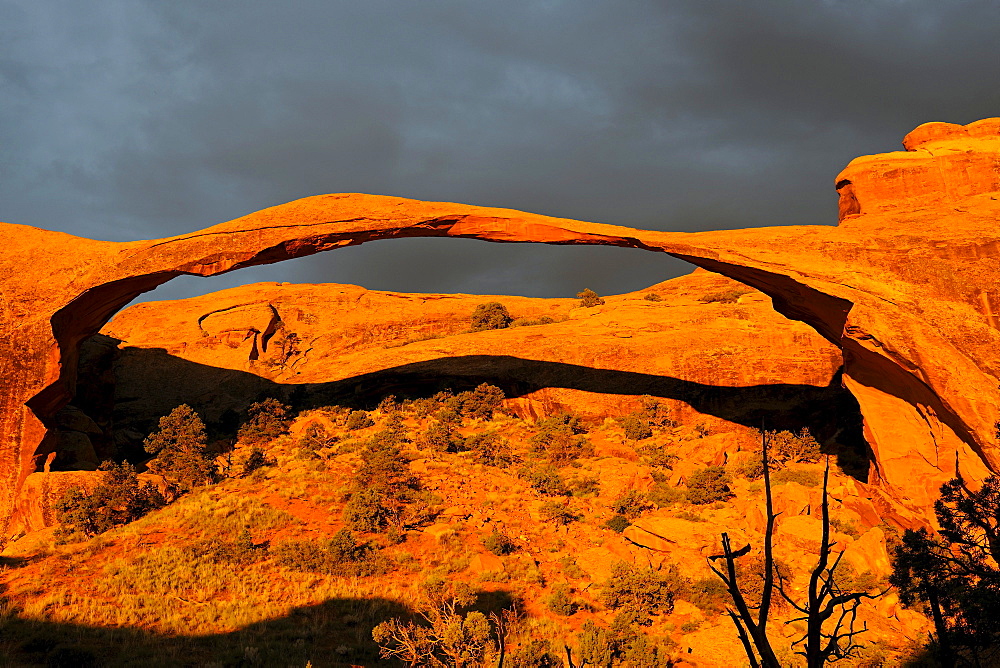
x=129 y=119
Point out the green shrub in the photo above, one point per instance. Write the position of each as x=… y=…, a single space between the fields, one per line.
x=358 y=420
x=636 y=427
x=652 y=297
x=787 y=447
x=644 y=652
x=180 y=449
x=631 y=504
x=557 y=513
x=640 y=591
x=570 y=568
x=118 y=499
x=596 y=646
x=383 y=466
x=654 y=455
x=499 y=543
x=663 y=494
x=341 y=555
x=368 y=510
x=708 y=485
x=561 y=602
x=558 y=440
x=545 y=479
x=482 y=403
x=267 y=420
x=845 y=526
x=618 y=523
x=388 y=405
x=725 y=296
x=536 y=654
x=589 y=298
x=805 y=478
x=528 y=322
x=710 y=595
x=492 y=450
x=751 y=468
x=655 y=412
x=491 y=315
x=241 y=551
x=585 y=486
x=256 y=460
x=315 y=438
x=418 y=508
x=442 y=437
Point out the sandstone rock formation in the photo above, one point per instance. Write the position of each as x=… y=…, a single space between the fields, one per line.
x=908 y=291
x=739 y=361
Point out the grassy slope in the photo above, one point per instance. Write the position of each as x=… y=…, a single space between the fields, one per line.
x=136 y=596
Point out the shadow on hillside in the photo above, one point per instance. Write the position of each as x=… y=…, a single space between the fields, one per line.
x=831 y=413
x=333 y=633
x=337 y=632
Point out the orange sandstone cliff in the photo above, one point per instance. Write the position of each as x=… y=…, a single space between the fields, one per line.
x=906 y=286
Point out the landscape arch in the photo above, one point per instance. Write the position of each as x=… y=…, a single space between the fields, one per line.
x=57 y=290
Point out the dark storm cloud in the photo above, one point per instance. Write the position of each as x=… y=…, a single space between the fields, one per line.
x=123 y=120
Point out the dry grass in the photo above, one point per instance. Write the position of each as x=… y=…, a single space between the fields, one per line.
x=142 y=595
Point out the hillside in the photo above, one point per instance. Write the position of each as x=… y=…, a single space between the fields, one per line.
x=178 y=586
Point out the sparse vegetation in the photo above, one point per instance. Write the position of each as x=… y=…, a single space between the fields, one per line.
x=560 y=439
x=257 y=459
x=359 y=420
x=119 y=498
x=588 y=298
x=180 y=448
x=545 y=479
x=557 y=512
x=416 y=499
x=630 y=504
x=708 y=485
x=725 y=296
x=267 y=420
x=561 y=602
x=640 y=592
x=492 y=449
x=341 y=555
x=636 y=427
x=529 y=322
x=618 y=523
x=499 y=543
x=491 y=315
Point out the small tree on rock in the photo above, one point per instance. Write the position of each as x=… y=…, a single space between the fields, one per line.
x=118 y=499
x=491 y=315
x=268 y=419
x=956 y=574
x=589 y=298
x=180 y=449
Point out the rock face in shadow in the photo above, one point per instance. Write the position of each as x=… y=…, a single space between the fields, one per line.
x=908 y=291
x=346 y=344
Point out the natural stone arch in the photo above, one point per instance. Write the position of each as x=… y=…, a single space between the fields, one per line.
x=907 y=294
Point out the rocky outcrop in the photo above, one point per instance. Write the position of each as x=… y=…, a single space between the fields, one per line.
x=909 y=293
x=736 y=359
